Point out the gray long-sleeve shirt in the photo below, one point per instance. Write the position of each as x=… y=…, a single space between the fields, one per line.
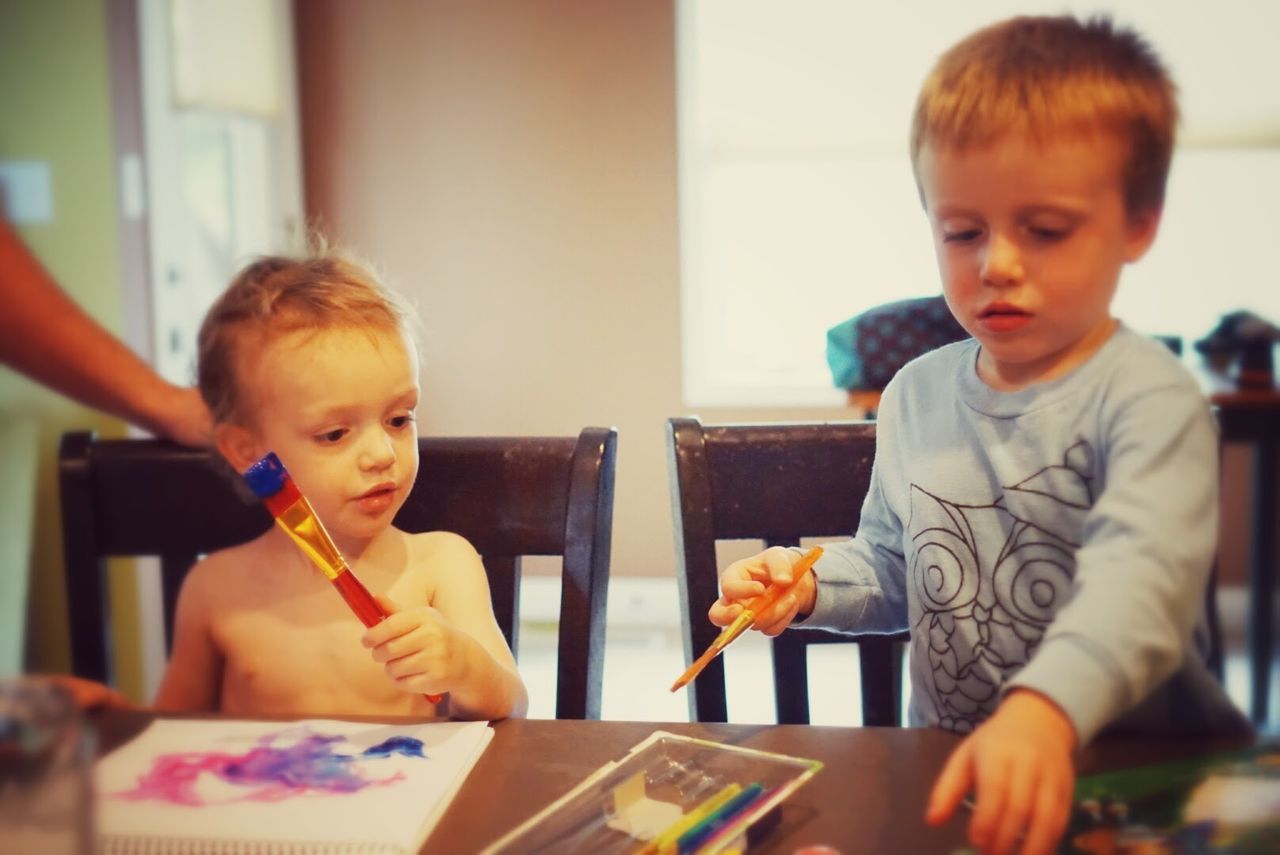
x=1057 y=538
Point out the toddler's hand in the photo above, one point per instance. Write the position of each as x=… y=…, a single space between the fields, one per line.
x=743 y=581
x=418 y=649
x=1019 y=762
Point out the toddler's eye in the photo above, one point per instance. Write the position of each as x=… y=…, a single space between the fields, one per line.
x=961 y=236
x=331 y=436
x=401 y=421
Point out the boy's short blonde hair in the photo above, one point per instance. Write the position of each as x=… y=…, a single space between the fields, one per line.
x=276 y=295
x=1043 y=76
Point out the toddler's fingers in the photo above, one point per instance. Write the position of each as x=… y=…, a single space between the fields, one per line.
x=953 y=783
x=396 y=624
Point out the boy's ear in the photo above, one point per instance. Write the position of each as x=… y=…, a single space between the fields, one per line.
x=1142 y=228
x=237 y=445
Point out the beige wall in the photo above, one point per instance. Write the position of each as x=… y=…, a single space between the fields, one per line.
x=512 y=166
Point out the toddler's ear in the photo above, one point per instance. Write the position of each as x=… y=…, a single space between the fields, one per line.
x=237 y=445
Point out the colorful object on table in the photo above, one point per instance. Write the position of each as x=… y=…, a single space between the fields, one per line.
x=669 y=838
x=693 y=839
x=271 y=483
x=743 y=621
x=661 y=791
x=1226 y=803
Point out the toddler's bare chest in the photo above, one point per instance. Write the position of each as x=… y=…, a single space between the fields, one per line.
x=303 y=661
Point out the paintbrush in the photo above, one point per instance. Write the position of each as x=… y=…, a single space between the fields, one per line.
x=271 y=483
x=748 y=616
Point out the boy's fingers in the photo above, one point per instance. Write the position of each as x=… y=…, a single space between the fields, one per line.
x=992 y=784
x=1022 y=796
x=722 y=613
x=1052 y=810
x=778 y=617
x=1043 y=830
x=778 y=562
x=740 y=589
x=953 y=783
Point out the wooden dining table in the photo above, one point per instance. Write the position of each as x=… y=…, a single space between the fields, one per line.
x=868 y=798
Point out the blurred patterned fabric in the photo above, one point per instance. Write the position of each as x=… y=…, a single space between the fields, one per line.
x=865 y=351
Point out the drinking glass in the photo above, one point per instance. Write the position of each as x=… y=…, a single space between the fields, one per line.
x=46 y=760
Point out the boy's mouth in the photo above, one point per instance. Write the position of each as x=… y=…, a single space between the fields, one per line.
x=1003 y=317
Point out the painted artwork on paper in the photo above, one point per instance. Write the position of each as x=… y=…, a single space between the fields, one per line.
x=296 y=761
x=187 y=782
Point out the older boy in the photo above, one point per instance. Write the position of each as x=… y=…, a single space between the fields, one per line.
x=1042 y=515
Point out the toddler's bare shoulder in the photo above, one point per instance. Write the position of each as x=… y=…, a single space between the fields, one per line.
x=444 y=542
x=220 y=575
x=436 y=548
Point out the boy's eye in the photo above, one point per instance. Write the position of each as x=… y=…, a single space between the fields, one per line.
x=331 y=436
x=401 y=421
x=1048 y=233
x=960 y=235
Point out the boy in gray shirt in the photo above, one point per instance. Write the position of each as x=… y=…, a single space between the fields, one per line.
x=1042 y=513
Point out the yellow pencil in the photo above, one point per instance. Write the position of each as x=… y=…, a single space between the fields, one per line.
x=740 y=624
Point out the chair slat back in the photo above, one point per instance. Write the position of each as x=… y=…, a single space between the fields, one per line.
x=776 y=483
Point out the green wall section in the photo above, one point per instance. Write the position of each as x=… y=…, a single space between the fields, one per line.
x=55 y=107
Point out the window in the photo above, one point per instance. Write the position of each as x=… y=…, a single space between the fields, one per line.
x=798 y=208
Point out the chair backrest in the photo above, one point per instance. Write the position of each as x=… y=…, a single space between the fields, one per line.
x=776 y=483
x=510 y=497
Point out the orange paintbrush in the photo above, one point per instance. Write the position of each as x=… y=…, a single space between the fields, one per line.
x=748 y=616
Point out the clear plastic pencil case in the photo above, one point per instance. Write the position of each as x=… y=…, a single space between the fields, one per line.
x=669 y=794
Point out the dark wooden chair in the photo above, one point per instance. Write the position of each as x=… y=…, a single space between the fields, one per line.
x=509 y=496
x=775 y=483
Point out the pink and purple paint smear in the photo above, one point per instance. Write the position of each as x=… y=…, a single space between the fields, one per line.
x=283 y=765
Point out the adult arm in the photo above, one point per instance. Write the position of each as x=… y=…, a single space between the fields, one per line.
x=46 y=336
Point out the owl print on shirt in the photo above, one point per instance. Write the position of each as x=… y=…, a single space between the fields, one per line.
x=989 y=578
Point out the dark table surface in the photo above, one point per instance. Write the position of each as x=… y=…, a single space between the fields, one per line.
x=869 y=797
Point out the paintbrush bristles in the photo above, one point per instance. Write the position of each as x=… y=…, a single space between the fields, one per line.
x=695 y=669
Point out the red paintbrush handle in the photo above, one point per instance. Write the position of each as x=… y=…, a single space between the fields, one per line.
x=369 y=610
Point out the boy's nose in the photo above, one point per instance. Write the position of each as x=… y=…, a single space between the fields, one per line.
x=378 y=452
x=1001 y=262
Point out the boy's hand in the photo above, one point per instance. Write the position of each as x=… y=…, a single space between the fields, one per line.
x=743 y=581
x=418 y=649
x=1019 y=762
